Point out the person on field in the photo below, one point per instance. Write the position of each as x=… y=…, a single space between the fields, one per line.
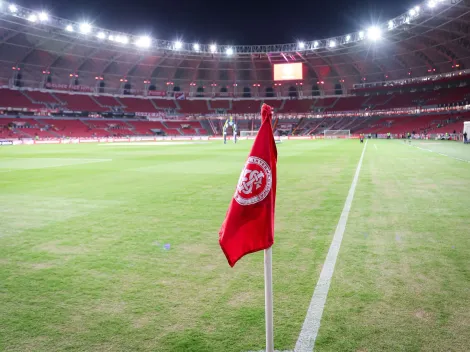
x=465 y=140
x=361 y=137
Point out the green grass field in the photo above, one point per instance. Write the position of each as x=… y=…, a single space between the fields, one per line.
x=83 y=265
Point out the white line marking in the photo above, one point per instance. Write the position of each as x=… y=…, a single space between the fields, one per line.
x=375 y=146
x=309 y=332
x=82 y=162
x=452 y=157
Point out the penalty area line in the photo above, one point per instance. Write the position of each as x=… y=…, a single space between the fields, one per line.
x=311 y=325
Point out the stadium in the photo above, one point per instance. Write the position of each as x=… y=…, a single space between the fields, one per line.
x=120 y=152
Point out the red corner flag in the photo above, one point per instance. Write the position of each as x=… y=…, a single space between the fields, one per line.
x=249 y=223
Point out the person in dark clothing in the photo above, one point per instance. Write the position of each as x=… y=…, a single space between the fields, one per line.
x=465 y=139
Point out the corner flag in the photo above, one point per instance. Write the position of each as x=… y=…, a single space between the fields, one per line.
x=249 y=224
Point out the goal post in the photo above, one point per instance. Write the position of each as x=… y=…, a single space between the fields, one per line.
x=248 y=134
x=466 y=128
x=333 y=134
x=253 y=134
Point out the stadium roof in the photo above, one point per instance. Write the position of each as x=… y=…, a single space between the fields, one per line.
x=430 y=38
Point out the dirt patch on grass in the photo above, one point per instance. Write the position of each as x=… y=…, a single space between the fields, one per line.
x=241 y=299
x=196 y=248
x=422 y=315
x=40 y=266
x=56 y=248
x=110 y=307
x=141 y=322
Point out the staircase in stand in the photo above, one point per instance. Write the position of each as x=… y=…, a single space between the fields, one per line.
x=97 y=102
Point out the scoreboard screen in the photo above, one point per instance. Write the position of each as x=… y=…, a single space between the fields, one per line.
x=288 y=72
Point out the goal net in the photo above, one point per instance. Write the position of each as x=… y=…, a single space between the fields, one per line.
x=332 y=134
x=248 y=134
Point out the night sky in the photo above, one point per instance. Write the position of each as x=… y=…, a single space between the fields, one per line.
x=228 y=22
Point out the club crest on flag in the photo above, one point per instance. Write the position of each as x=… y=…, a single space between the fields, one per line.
x=255 y=182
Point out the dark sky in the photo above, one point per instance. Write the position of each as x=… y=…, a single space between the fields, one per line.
x=233 y=22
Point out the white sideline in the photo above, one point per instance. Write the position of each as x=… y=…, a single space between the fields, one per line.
x=452 y=157
x=309 y=332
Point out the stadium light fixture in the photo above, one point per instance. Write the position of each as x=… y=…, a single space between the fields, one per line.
x=196 y=47
x=144 y=42
x=229 y=51
x=374 y=33
x=315 y=44
x=361 y=35
x=32 y=18
x=43 y=16
x=213 y=48
x=111 y=38
x=85 y=28
x=332 y=44
x=101 y=35
x=69 y=28
x=348 y=38
x=124 y=40
x=391 y=25
x=301 y=45
x=432 y=4
x=13 y=8
x=178 y=45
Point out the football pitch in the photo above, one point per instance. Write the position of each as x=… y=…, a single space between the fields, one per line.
x=114 y=247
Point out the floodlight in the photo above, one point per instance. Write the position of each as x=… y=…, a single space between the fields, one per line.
x=124 y=40
x=374 y=33
x=43 y=16
x=213 y=48
x=391 y=24
x=229 y=51
x=101 y=35
x=32 y=18
x=332 y=43
x=301 y=45
x=144 y=42
x=13 y=8
x=69 y=28
x=111 y=37
x=178 y=45
x=348 y=38
x=196 y=46
x=315 y=44
x=85 y=28
x=432 y=3
x=361 y=35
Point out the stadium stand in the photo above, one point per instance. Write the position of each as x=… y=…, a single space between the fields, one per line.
x=132 y=104
x=16 y=99
x=297 y=106
x=194 y=106
x=79 y=102
x=245 y=107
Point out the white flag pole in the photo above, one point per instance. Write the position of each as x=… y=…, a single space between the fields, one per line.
x=268 y=298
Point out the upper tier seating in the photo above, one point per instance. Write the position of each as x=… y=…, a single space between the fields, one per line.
x=16 y=99
x=42 y=97
x=137 y=105
x=297 y=106
x=106 y=100
x=193 y=106
x=245 y=107
x=348 y=104
x=220 y=104
x=79 y=102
